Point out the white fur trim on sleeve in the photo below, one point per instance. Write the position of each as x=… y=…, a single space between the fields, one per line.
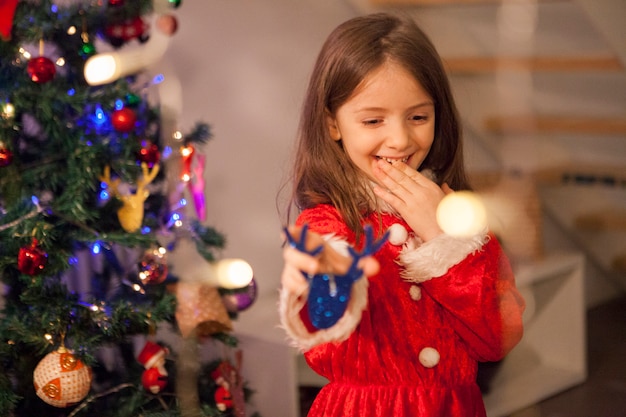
x=289 y=311
x=290 y=306
x=435 y=257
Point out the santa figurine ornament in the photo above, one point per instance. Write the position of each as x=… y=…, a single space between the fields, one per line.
x=223 y=397
x=229 y=394
x=152 y=357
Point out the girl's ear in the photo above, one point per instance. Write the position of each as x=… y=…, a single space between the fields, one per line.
x=333 y=129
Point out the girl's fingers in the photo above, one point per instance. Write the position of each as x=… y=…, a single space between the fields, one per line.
x=293 y=281
x=369 y=265
x=399 y=185
x=388 y=196
x=300 y=260
x=414 y=196
x=393 y=177
x=327 y=261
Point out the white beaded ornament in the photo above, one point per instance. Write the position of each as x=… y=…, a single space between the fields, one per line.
x=61 y=379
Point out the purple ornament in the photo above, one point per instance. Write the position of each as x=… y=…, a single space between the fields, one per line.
x=240 y=299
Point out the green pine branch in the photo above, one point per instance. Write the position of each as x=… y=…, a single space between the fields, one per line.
x=51 y=192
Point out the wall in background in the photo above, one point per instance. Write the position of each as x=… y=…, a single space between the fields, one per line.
x=243 y=67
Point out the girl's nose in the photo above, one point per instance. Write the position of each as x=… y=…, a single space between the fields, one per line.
x=398 y=138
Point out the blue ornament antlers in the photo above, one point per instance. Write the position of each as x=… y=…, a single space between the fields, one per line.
x=329 y=294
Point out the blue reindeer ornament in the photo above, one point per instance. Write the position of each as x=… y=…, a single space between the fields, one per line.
x=329 y=294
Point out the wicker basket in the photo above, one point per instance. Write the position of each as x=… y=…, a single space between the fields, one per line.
x=513 y=212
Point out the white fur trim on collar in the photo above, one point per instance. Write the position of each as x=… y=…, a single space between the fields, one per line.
x=340 y=245
x=435 y=257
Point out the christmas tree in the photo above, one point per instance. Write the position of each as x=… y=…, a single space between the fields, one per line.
x=111 y=281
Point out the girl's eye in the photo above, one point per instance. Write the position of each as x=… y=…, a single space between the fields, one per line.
x=371 y=122
x=419 y=118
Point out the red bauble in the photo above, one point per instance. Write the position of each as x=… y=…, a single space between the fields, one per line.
x=116 y=2
x=124 y=119
x=167 y=24
x=153 y=267
x=121 y=32
x=31 y=260
x=6 y=157
x=149 y=153
x=41 y=69
x=153 y=380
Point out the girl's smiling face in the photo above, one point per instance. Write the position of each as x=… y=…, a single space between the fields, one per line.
x=389 y=116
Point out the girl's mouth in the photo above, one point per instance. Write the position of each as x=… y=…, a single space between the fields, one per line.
x=391 y=160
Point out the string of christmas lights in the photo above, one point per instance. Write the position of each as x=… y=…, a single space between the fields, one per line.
x=101 y=206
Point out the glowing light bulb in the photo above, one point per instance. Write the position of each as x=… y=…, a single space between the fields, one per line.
x=462 y=214
x=100 y=69
x=108 y=67
x=8 y=111
x=25 y=53
x=186 y=151
x=95 y=249
x=233 y=273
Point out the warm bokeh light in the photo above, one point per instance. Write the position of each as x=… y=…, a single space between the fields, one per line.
x=7 y=111
x=101 y=69
x=108 y=67
x=233 y=273
x=462 y=214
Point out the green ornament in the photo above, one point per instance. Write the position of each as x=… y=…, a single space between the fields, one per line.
x=132 y=100
x=87 y=50
x=174 y=4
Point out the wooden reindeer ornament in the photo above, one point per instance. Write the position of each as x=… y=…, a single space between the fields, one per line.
x=130 y=214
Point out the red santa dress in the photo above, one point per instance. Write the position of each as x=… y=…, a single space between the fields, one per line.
x=410 y=340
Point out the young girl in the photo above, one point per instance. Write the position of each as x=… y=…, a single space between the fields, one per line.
x=380 y=145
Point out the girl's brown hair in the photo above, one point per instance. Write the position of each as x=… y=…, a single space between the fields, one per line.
x=323 y=172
